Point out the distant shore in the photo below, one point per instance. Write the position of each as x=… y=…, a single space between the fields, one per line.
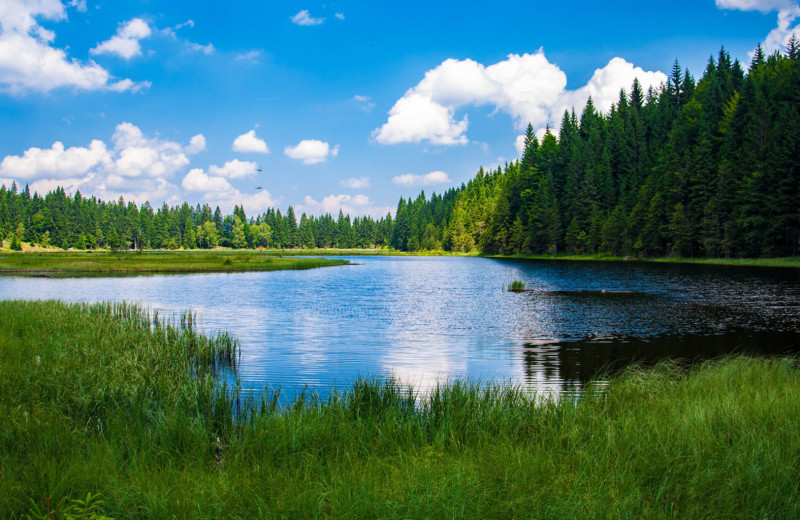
x=151 y=262
x=790 y=262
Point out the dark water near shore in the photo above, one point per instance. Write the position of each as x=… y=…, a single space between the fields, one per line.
x=431 y=319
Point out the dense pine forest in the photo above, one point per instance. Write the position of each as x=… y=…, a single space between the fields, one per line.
x=707 y=167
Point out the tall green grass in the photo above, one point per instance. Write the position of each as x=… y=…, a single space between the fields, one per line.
x=516 y=286
x=104 y=263
x=108 y=399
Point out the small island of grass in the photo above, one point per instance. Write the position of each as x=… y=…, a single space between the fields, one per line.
x=167 y=262
x=516 y=286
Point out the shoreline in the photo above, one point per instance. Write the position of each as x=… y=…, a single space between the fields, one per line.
x=139 y=416
x=73 y=263
x=782 y=262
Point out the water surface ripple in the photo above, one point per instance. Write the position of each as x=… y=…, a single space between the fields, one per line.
x=431 y=319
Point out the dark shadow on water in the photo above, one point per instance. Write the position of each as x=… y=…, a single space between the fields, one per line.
x=580 y=361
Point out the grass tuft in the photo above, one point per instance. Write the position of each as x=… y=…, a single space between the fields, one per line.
x=516 y=286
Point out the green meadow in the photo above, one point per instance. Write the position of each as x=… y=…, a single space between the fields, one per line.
x=112 y=405
x=88 y=263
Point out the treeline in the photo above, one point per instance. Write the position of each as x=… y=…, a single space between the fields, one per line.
x=694 y=168
x=60 y=220
x=703 y=167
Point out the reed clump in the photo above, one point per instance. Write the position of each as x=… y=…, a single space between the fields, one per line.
x=516 y=286
x=111 y=399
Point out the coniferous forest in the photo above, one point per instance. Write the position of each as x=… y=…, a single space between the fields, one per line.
x=703 y=167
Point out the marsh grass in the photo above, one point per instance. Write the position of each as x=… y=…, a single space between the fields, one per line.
x=111 y=399
x=516 y=286
x=104 y=263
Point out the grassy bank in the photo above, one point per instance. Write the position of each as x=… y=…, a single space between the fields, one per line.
x=98 y=399
x=793 y=261
x=83 y=263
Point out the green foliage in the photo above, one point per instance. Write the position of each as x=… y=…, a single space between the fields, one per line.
x=111 y=399
x=705 y=168
x=516 y=286
x=75 y=509
x=162 y=262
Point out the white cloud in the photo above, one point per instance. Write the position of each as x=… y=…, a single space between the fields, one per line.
x=125 y=43
x=779 y=37
x=365 y=101
x=429 y=179
x=249 y=143
x=196 y=47
x=251 y=56
x=340 y=16
x=527 y=87
x=519 y=144
x=303 y=18
x=136 y=167
x=197 y=180
x=788 y=12
x=79 y=5
x=765 y=6
x=605 y=84
x=187 y=23
x=311 y=151
x=234 y=169
x=217 y=191
x=29 y=63
x=196 y=144
x=355 y=205
x=138 y=156
x=356 y=183
x=254 y=202
x=152 y=190
x=55 y=162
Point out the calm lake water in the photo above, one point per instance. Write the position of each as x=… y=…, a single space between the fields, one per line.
x=432 y=319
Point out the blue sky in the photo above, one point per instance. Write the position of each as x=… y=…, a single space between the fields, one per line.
x=329 y=105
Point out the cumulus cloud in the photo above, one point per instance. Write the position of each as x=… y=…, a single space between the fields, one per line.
x=779 y=37
x=254 y=202
x=788 y=12
x=217 y=191
x=125 y=43
x=353 y=205
x=340 y=16
x=29 y=62
x=234 y=169
x=311 y=151
x=135 y=166
x=249 y=143
x=139 y=156
x=527 y=87
x=429 y=179
x=197 y=180
x=356 y=183
x=196 y=144
x=55 y=162
x=303 y=18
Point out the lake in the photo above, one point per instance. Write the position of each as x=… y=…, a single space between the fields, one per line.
x=432 y=319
